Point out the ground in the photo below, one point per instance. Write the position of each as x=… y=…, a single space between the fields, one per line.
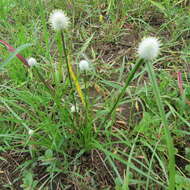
x=78 y=151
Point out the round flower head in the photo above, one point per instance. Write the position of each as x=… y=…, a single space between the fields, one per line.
x=30 y=132
x=58 y=20
x=84 y=65
x=149 y=48
x=31 y=61
x=73 y=109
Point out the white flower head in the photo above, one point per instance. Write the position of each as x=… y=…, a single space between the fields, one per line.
x=73 y=109
x=58 y=20
x=30 y=132
x=31 y=61
x=84 y=65
x=149 y=48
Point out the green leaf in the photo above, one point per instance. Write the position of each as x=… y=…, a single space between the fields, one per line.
x=49 y=153
x=182 y=182
x=111 y=84
x=12 y=56
x=159 y=6
x=86 y=44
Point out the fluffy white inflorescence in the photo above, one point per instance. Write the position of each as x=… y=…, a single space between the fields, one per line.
x=30 y=132
x=31 y=61
x=73 y=109
x=84 y=65
x=58 y=20
x=149 y=48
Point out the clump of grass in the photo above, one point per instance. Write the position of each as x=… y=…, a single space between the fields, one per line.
x=62 y=116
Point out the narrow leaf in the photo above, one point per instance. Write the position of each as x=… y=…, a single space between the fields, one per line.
x=73 y=76
x=16 y=51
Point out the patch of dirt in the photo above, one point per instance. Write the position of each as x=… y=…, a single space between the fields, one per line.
x=96 y=174
x=181 y=160
x=112 y=51
x=154 y=18
x=8 y=172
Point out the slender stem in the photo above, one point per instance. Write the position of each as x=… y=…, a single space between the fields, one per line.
x=66 y=58
x=67 y=64
x=86 y=95
x=168 y=137
x=121 y=94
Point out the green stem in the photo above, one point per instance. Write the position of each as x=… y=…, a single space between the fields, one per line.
x=121 y=94
x=66 y=58
x=67 y=64
x=168 y=137
x=86 y=95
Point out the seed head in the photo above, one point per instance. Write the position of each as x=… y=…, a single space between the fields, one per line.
x=84 y=65
x=58 y=20
x=31 y=61
x=30 y=132
x=73 y=109
x=149 y=48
